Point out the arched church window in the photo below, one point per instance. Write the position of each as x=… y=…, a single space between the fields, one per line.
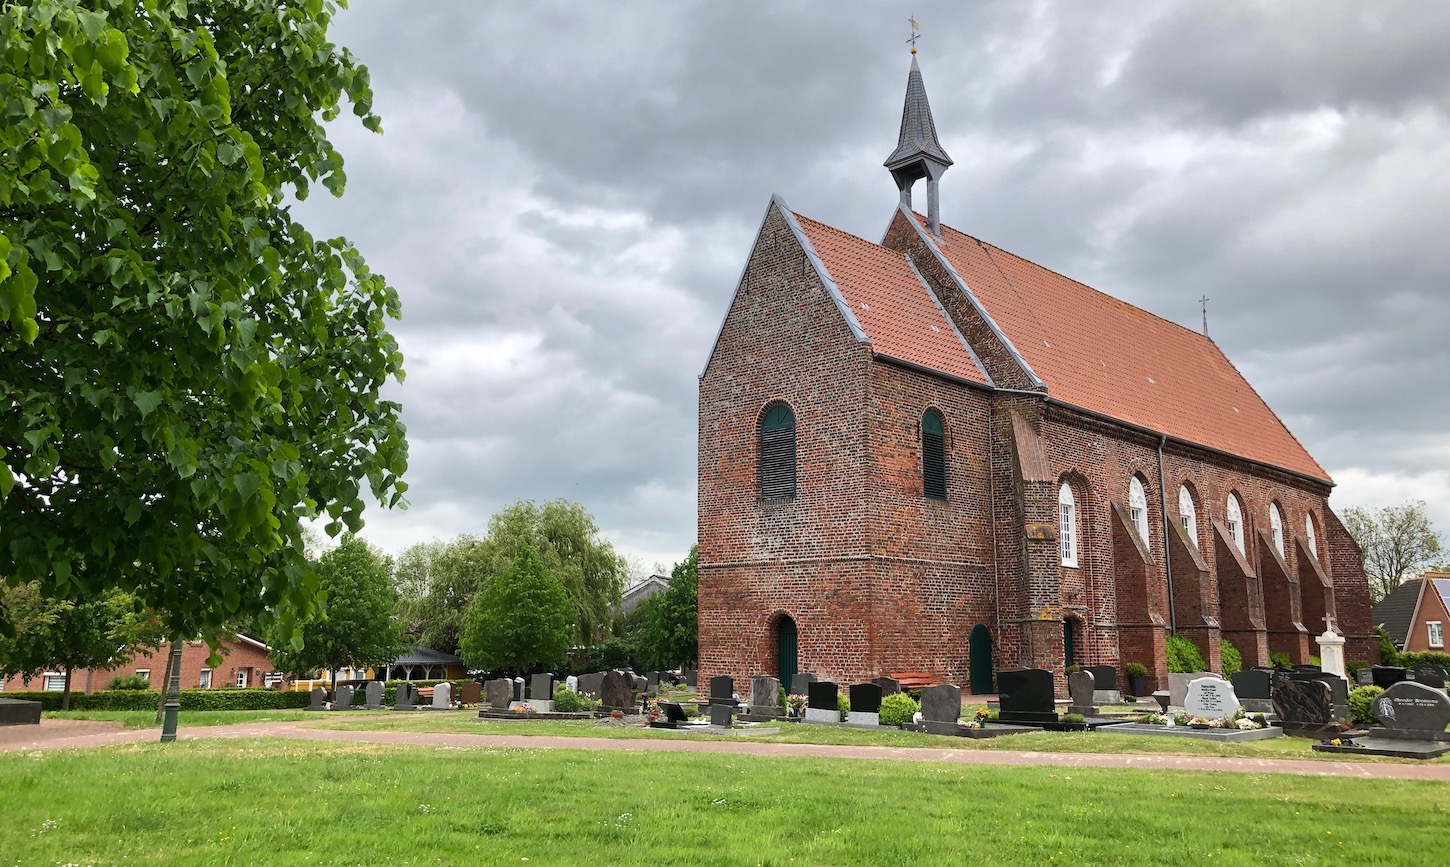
x=1067 y=524
x=777 y=453
x=1187 y=514
x=933 y=456
x=1235 y=520
x=1138 y=508
x=1309 y=534
x=1276 y=527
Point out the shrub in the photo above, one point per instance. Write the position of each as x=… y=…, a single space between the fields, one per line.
x=130 y=681
x=1388 y=654
x=1353 y=668
x=843 y=704
x=1073 y=669
x=1279 y=659
x=1073 y=718
x=191 y=699
x=1183 y=655
x=1233 y=662
x=898 y=709
x=1361 y=704
x=1424 y=657
x=566 y=701
x=1135 y=669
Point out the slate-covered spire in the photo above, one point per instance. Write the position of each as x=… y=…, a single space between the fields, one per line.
x=918 y=154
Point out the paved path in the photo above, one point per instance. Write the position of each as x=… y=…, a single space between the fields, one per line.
x=299 y=730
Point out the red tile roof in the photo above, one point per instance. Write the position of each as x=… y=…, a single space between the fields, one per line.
x=892 y=305
x=1105 y=355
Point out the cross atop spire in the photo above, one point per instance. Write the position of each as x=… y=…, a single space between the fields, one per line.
x=914 y=34
x=918 y=153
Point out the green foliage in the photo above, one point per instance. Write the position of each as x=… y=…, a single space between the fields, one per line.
x=130 y=681
x=522 y=619
x=1073 y=718
x=898 y=709
x=436 y=581
x=843 y=705
x=191 y=699
x=1425 y=657
x=1183 y=655
x=618 y=652
x=1397 y=542
x=1072 y=669
x=1361 y=703
x=1233 y=661
x=1281 y=660
x=357 y=628
x=671 y=631
x=1389 y=655
x=568 y=701
x=189 y=375
x=1135 y=669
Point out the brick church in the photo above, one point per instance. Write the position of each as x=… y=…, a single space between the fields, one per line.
x=930 y=454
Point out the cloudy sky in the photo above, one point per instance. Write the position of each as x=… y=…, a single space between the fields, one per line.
x=565 y=195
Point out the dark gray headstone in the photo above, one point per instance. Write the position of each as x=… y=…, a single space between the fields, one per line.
x=1412 y=707
x=1364 y=677
x=674 y=712
x=541 y=686
x=941 y=703
x=343 y=699
x=19 y=712
x=470 y=692
x=617 y=691
x=1255 y=683
x=1386 y=676
x=889 y=685
x=374 y=694
x=1080 y=686
x=865 y=698
x=317 y=698
x=822 y=695
x=405 y=696
x=764 y=694
x=518 y=689
x=692 y=678
x=1104 y=676
x=1338 y=688
x=801 y=683
x=442 y=695
x=722 y=688
x=589 y=684
x=1027 y=690
x=721 y=714
x=652 y=681
x=1303 y=702
x=641 y=683
x=499 y=693
x=1430 y=675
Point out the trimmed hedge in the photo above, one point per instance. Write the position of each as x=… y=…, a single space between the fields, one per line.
x=1183 y=655
x=191 y=699
x=1361 y=705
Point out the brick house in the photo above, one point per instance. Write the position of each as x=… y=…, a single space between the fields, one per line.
x=930 y=454
x=1416 y=614
x=245 y=662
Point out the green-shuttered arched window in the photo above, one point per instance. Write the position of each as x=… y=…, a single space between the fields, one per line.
x=933 y=456
x=777 y=453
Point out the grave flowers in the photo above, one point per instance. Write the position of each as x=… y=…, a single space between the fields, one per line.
x=796 y=705
x=979 y=719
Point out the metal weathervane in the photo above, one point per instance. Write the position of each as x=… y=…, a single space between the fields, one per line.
x=914 y=34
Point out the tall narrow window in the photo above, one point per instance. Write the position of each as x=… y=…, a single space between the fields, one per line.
x=933 y=456
x=1067 y=525
x=777 y=453
x=1235 y=518
x=1309 y=535
x=1138 y=508
x=1187 y=514
x=1436 y=633
x=1276 y=527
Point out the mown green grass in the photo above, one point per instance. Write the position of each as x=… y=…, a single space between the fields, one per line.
x=284 y=802
x=140 y=719
x=797 y=733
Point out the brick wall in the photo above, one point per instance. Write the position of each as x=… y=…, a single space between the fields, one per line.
x=237 y=656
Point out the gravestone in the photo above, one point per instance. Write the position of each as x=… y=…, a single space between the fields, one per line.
x=801 y=683
x=692 y=678
x=1410 y=709
x=722 y=689
x=889 y=685
x=519 y=689
x=571 y=683
x=652 y=681
x=822 y=702
x=499 y=693
x=470 y=692
x=1081 y=685
x=616 y=691
x=1026 y=695
x=1211 y=698
x=343 y=699
x=373 y=694
x=19 y=712
x=589 y=684
x=405 y=697
x=1364 y=677
x=721 y=714
x=1305 y=708
x=765 y=697
x=541 y=688
x=641 y=684
x=1386 y=676
x=1178 y=685
x=865 y=704
x=1338 y=689
x=1430 y=675
x=672 y=716
x=941 y=708
x=1254 y=689
x=1105 y=684
x=442 y=695
x=317 y=699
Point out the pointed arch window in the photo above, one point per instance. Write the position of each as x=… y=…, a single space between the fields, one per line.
x=1067 y=524
x=1187 y=514
x=1276 y=527
x=933 y=456
x=777 y=453
x=1138 y=508
x=1235 y=519
x=1309 y=534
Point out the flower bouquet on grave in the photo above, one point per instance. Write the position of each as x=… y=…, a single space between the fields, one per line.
x=795 y=705
x=1157 y=719
x=1341 y=742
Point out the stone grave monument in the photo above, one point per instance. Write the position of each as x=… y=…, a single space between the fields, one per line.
x=1412 y=719
x=343 y=699
x=1431 y=676
x=822 y=703
x=1255 y=689
x=499 y=693
x=1305 y=708
x=470 y=692
x=765 y=698
x=722 y=690
x=405 y=697
x=692 y=678
x=617 y=692
x=571 y=683
x=19 y=712
x=672 y=716
x=442 y=695
x=1211 y=698
x=801 y=683
x=1081 y=687
x=589 y=684
x=941 y=709
x=1105 y=684
x=519 y=685
x=889 y=685
x=1025 y=696
x=373 y=695
x=541 y=690
x=1386 y=676
x=865 y=705
x=317 y=699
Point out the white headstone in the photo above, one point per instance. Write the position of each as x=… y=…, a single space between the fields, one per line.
x=1331 y=653
x=443 y=695
x=1210 y=698
x=571 y=683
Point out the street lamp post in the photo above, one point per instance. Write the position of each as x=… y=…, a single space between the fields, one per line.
x=173 y=694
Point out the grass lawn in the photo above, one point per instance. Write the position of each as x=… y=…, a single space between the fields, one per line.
x=141 y=719
x=284 y=802
x=798 y=733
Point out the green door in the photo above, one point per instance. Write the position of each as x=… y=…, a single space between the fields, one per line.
x=1067 y=643
x=979 y=648
x=785 y=647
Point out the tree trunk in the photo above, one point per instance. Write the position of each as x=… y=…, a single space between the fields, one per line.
x=65 y=696
x=165 y=682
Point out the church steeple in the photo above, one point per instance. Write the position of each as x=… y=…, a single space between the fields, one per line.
x=918 y=154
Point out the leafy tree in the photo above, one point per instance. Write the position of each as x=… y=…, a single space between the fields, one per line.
x=671 y=633
x=65 y=635
x=358 y=628
x=1397 y=541
x=188 y=374
x=522 y=619
x=436 y=581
